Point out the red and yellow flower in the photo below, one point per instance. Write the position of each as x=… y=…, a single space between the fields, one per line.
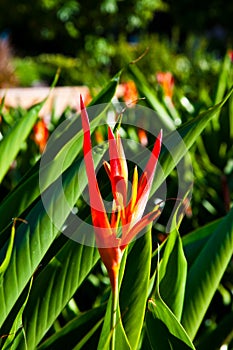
x=126 y=220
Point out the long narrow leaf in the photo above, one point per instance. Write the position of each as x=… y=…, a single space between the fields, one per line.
x=172 y=274
x=205 y=274
x=59 y=281
x=33 y=240
x=195 y=241
x=59 y=202
x=134 y=289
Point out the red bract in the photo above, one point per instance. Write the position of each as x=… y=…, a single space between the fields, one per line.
x=127 y=216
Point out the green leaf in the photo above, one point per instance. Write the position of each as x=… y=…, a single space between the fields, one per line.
x=11 y=144
x=163 y=329
x=88 y=336
x=121 y=339
x=63 y=275
x=172 y=274
x=75 y=331
x=68 y=268
x=133 y=297
x=6 y=260
x=17 y=328
x=223 y=83
x=195 y=241
x=32 y=240
x=107 y=93
x=59 y=280
x=205 y=274
x=134 y=288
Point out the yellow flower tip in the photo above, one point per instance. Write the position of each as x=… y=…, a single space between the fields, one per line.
x=115 y=217
x=134 y=188
x=107 y=168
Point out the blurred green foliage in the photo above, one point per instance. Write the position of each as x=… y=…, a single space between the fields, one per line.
x=68 y=26
x=195 y=69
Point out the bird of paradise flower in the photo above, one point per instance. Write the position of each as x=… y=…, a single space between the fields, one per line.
x=127 y=215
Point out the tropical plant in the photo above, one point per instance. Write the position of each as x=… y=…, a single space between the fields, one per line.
x=55 y=291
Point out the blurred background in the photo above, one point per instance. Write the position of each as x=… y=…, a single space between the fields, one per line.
x=90 y=41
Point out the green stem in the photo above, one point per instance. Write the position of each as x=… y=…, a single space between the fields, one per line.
x=115 y=293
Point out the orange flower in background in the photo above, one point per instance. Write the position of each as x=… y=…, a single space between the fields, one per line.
x=166 y=80
x=142 y=137
x=41 y=134
x=130 y=93
x=126 y=219
x=130 y=96
x=230 y=54
x=87 y=98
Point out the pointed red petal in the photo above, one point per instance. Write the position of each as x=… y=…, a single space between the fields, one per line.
x=99 y=216
x=145 y=183
x=148 y=174
x=117 y=165
x=107 y=242
x=114 y=156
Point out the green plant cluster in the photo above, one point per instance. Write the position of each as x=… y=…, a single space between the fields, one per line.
x=175 y=292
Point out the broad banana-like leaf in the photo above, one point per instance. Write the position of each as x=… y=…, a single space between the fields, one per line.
x=205 y=274
x=163 y=329
x=194 y=242
x=134 y=288
x=33 y=239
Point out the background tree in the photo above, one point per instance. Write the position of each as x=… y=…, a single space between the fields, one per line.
x=60 y=26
